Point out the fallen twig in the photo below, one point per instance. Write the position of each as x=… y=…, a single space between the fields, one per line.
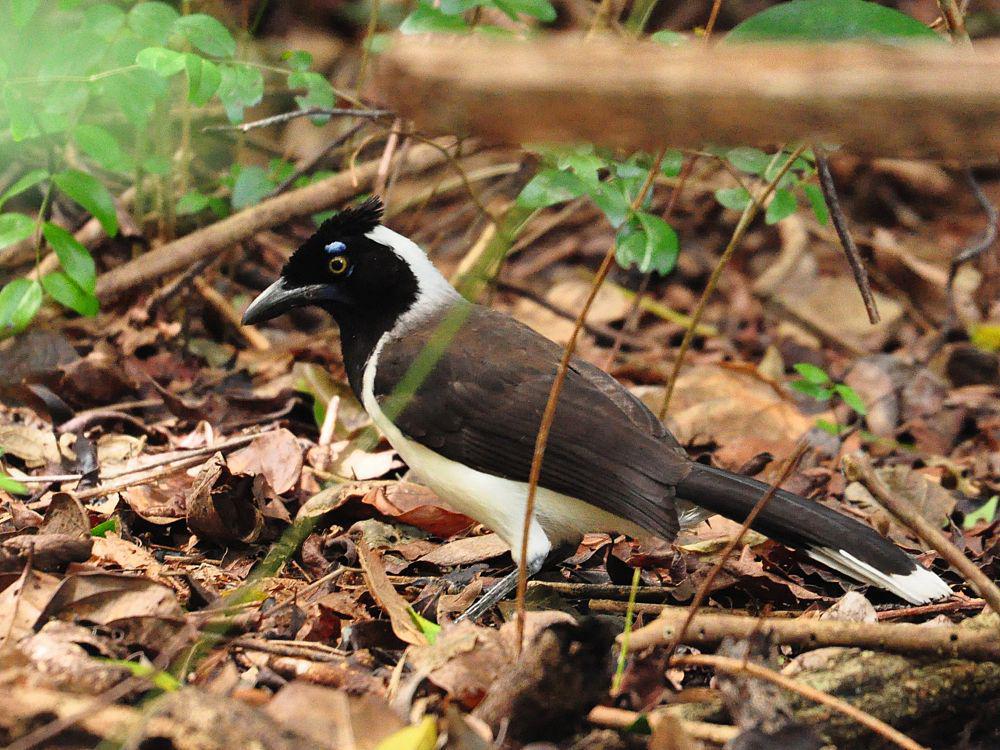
x=181 y=253
x=857 y=467
x=245 y=127
x=829 y=189
x=898 y=638
x=738 y=666
x=976 y=248
x=619 y=718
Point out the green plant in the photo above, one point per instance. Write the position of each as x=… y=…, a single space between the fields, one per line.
x=84 y=113
x=816 y=384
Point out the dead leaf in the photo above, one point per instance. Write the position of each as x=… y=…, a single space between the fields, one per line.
x=224 y=506
x=65 y=515
x=114 y=550
x=106 y=598
x=48 y=552
x=32 y=445
x=851 y=607
x=464 y=661
x=22 y=603
x=60 y=657
x=391 y=602
x=161 y=502
x=333 y=719
x=277 y=455
x=418 y=506
x=731 y=407
x=469 y=550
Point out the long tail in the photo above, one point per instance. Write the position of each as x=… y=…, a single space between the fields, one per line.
x=831 y=538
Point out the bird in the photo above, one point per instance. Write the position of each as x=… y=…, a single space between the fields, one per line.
x=459 y=390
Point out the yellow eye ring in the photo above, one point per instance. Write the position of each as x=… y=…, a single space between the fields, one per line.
x=338 y=264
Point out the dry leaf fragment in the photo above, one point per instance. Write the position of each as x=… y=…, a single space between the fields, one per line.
x=395 y=606
x=417 y=505
x=224 y=506
x=65 y=515
x=465 y=551
x=333 y=719
x=48 y=552
x=277 y=455
x=105 y=598
x=22 y=603
x=32 y=445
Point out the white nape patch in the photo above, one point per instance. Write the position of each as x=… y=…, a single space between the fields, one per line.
x=919 y=587
x=433 y=289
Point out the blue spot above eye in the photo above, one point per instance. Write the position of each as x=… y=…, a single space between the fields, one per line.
x=335 y=247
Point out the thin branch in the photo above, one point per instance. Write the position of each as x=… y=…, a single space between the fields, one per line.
x=245 y=127
x=829 y=190
x=749 y=214
x=548 y=416
x=945 y=641
x=857 y=467
x=738 y=666
x=976 y=248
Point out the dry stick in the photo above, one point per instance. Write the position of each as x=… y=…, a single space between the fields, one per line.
x=844 y=233
x=257 y=340
x=979 y=246
x=738 y=666
x=897 y=638
x=548 y=417
x=246 y=127
x=181 y=253
x=706 y=585
x=858 y=468
x=749 y=214
x=620 y=718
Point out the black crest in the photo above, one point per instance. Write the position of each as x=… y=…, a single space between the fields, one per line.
x=354 y=221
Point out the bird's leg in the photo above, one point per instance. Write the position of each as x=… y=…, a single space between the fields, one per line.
x=508 y=583
x=499 y=591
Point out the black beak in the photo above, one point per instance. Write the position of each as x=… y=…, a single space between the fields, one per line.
x=282 y=296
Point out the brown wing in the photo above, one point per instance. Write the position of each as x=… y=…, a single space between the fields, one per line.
x=482 y=404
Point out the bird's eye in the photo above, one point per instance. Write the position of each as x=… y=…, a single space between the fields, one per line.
x=337 y=265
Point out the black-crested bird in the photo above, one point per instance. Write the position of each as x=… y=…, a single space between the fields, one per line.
x=468 y=424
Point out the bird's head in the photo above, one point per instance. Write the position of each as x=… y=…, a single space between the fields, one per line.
x=352 y=265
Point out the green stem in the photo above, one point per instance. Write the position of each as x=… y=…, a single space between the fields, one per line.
x=616 y=682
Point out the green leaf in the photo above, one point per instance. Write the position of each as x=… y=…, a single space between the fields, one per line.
x=550 y=186
x=14 y=228
x=613 y=199
x=812 y=373
x=21 y=114
x=104 y=19
x=829 y=427
x=831 y=21
x=74 y=258
x=203 y=77
x=19 y=301
x=101 y=146
x=985 y=513
x=161 y=680
x=104 y=527
x=11 y=485
x=66 y=292
x=673 y=162
x=91 y=194
x=669 y=38
x=662 y=245
x=156 y=164
x=812 y=390
x=458 y=7
x=319 y=92
x=746 y=159
x=242 y=86
x=26 y=182
x=192 y=203
x=162 y=61
x=782 y=205
x=736 y=199
x=207 y=34
x=428 y=628
x=21 y=11
x=425 y=18
x=252 y=184
x=152 y=22
x=422 y=736
x=298 y=59
x=818 y=203
x=850 y=397
x=540 y=9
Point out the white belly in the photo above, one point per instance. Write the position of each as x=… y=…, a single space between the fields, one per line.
x=496 y=502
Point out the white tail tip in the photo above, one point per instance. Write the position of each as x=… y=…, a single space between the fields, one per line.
x=919 y=587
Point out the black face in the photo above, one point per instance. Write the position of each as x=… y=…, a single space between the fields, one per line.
x=341 y=270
